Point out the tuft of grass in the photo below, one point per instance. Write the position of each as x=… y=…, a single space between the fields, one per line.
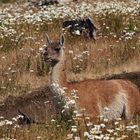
x=117 y=43
x=83 y=128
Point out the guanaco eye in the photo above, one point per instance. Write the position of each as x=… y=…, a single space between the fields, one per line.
x=57 y=49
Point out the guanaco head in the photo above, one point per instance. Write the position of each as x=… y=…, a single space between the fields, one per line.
x=53 y=51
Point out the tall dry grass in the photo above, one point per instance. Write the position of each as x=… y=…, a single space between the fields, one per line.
x=22 y=70
x=21 y=67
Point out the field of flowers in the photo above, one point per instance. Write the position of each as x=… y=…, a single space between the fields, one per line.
x=23 y=29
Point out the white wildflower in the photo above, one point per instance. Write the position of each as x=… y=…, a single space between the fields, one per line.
x=99 y=137
x=77 y=138
x=116 y=123
x=69 y=136
x=74 y=129
x=102 y=125
x=110 y=130
x=52 y=120
x=77 y=32
x=2 y=123
x=70 y=51
x=7 y=122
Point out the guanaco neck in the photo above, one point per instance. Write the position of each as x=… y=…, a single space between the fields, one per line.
x=58 y=72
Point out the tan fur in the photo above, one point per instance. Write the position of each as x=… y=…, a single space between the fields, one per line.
x=108 y=98
x=117 y=95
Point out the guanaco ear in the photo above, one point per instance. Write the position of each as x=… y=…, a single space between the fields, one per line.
x=62 y=40
x=48 y=39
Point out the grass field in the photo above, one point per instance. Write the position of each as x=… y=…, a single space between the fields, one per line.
x=22 y=32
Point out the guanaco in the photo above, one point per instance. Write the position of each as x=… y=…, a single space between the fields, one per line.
x=121 y=97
